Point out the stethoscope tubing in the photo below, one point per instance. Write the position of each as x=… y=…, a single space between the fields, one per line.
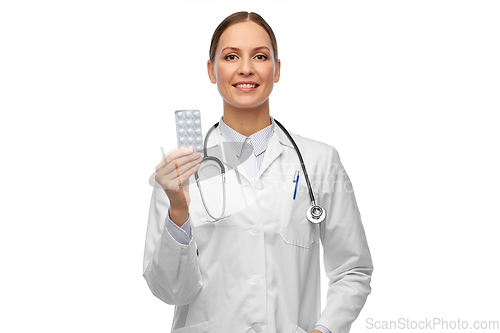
x=302 y=164
x=315 y=213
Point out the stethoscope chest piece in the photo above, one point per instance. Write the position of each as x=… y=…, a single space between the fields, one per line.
x=316 y=214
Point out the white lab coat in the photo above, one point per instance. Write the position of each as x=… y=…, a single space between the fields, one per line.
x=258 y=270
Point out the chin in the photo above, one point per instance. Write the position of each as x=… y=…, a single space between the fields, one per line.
x=246 y=106
x=242 y=104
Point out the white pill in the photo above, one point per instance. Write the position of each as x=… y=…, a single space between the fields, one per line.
x=191 y=147
x=181 y=140
x=197 y=131
x=190 y=140
x=198 y=148
x=189 y=131
x=188 y=114
x=189 y=122
x=180 y=123
x=198 y=140
x=181 y=131
x=179 y=115
x=196 y=123
x=196 y=114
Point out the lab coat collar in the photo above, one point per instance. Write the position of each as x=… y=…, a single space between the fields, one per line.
x=282 y=138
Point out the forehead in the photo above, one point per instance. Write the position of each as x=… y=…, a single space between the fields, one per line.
x=244 y=34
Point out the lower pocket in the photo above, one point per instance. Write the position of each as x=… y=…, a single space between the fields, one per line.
x=198 y=328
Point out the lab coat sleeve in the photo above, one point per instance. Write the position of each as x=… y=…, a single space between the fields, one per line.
x=170 y=268
x=347 y=258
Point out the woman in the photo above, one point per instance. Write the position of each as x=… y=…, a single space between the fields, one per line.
x=257 y=269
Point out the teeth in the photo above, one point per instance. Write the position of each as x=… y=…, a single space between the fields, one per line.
x=246 y=85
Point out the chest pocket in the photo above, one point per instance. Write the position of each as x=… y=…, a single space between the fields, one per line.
x=295 y=229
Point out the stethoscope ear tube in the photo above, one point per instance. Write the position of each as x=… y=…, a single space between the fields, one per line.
x=223 y=173
x=205 y=155
x=223 y=176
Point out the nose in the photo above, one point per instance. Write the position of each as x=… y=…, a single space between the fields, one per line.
x=246 y=67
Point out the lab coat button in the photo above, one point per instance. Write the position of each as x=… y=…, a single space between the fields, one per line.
x=255 y=229
x=257 y=327
x=255 y=279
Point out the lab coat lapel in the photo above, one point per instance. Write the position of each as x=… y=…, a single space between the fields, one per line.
x=274 y=148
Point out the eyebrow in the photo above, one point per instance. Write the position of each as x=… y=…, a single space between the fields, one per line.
x=237 y=49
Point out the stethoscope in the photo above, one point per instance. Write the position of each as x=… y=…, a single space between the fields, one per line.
x=315 y=213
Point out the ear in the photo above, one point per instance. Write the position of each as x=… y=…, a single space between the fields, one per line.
x=210 y=69
x=277 y=71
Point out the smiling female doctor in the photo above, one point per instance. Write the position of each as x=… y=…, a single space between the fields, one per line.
x=258 y=269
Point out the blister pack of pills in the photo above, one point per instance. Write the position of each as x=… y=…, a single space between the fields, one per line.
x=188 y=125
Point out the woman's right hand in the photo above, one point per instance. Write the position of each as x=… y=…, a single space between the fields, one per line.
x=173 y=175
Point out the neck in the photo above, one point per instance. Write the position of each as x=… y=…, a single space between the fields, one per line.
x=249 y=120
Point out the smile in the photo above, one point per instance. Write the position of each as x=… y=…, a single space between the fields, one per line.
x=246 y=85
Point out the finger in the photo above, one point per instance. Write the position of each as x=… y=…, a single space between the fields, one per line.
x=169 y=166
x=174 y=155
x=183 y=164
x=177 y=171
x=185 y=176
x=178 y=154
x=175 y=179
x=180 y=170
x=177 y=183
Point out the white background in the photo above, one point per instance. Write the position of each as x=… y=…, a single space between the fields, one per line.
x=407 y=91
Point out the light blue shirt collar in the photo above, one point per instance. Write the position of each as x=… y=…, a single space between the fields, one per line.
x=259 y=140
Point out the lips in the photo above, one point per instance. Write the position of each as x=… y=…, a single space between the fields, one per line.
x=246 y=85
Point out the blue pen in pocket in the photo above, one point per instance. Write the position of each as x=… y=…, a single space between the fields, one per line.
x=296 y=181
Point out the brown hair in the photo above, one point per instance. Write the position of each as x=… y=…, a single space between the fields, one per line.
x=237 y=18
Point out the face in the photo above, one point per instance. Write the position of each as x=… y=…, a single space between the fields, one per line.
x=244 y=68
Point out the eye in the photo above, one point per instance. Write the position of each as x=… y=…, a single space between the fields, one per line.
x=262 y=57
x=230 y=57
